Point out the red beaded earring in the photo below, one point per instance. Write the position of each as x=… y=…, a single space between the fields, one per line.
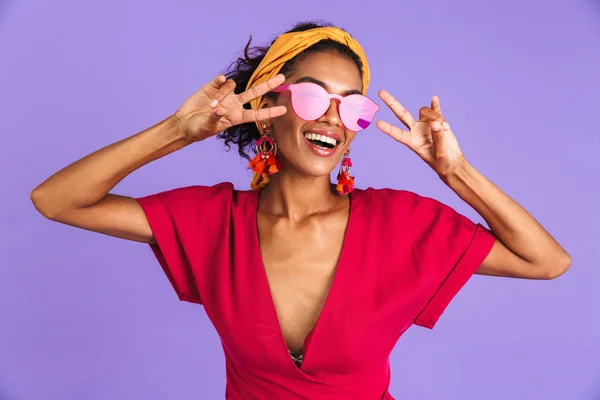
x=264 y=163
x=345 y=182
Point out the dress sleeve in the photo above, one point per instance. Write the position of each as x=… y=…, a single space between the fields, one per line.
x=188 y=224
x=450 y=249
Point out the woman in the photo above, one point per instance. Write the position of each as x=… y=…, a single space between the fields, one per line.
x=308 y=284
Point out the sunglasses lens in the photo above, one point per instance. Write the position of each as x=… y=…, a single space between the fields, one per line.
x=357 y=112
x=309 y=101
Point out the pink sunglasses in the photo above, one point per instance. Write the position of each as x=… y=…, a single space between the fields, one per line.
x=310 y=101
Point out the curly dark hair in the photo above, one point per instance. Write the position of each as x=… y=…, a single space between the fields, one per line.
x=244 y=135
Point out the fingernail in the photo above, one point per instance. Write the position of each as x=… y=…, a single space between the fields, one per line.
x=436 y=126
x=446 y=126
x=220 y=112
x=213 y=103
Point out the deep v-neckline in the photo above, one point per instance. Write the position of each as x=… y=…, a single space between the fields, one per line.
x=330 y=297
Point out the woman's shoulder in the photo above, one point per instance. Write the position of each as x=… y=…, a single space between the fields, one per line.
x=399 y=196
x=401 y=203
x=212 y=196
x=217 y=190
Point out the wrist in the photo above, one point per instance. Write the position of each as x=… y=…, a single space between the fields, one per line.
x=176 y=131
x=459 y=173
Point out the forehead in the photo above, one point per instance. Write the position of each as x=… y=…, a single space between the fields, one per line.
x=339 y=72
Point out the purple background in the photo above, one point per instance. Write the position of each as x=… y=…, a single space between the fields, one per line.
x=86 y=316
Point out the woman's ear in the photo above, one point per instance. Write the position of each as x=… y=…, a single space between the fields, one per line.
x=265 y=103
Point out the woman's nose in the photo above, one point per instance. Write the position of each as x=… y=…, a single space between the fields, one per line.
x=332 y=116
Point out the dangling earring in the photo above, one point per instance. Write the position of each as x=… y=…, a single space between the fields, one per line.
x=264 y=163
x=345 y=182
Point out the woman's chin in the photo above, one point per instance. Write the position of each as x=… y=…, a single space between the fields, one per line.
x=310 y=170
x=311 y=166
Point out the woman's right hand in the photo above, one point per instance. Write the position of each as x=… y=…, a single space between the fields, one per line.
x=215 y=107
x=79 y=194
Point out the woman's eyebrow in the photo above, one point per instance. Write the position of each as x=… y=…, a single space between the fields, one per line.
x=324 y=85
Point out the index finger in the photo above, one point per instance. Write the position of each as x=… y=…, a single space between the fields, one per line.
x=263 y=113
x=261 y=89
x=397 y=108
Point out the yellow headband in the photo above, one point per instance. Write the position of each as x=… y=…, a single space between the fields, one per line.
x=289 y=45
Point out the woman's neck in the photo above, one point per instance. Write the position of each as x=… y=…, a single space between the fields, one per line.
x=295 y=196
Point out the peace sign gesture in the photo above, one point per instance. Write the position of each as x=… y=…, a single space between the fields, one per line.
x=430 y=137
x=215 y=107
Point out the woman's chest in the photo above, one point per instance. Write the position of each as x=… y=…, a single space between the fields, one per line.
x=363 y=309
x=300 y=265
x=344 y=296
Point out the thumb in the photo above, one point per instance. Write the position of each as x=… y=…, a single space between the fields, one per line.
x=205 y=126
x=437 y=133
x=214 y=118
x=217 y=113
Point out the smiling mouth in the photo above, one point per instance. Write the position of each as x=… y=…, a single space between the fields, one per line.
x=325 y=142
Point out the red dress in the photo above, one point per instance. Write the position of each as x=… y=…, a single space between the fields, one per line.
x=403 y=259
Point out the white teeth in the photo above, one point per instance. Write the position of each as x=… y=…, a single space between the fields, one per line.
x=321 y=138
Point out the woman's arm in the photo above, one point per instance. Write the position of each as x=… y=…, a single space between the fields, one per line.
x=78 y=195
x=524 y=249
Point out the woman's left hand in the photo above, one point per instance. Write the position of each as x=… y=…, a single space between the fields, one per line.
x=430 y=137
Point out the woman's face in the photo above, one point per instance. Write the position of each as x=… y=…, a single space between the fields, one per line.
x=337 y=74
